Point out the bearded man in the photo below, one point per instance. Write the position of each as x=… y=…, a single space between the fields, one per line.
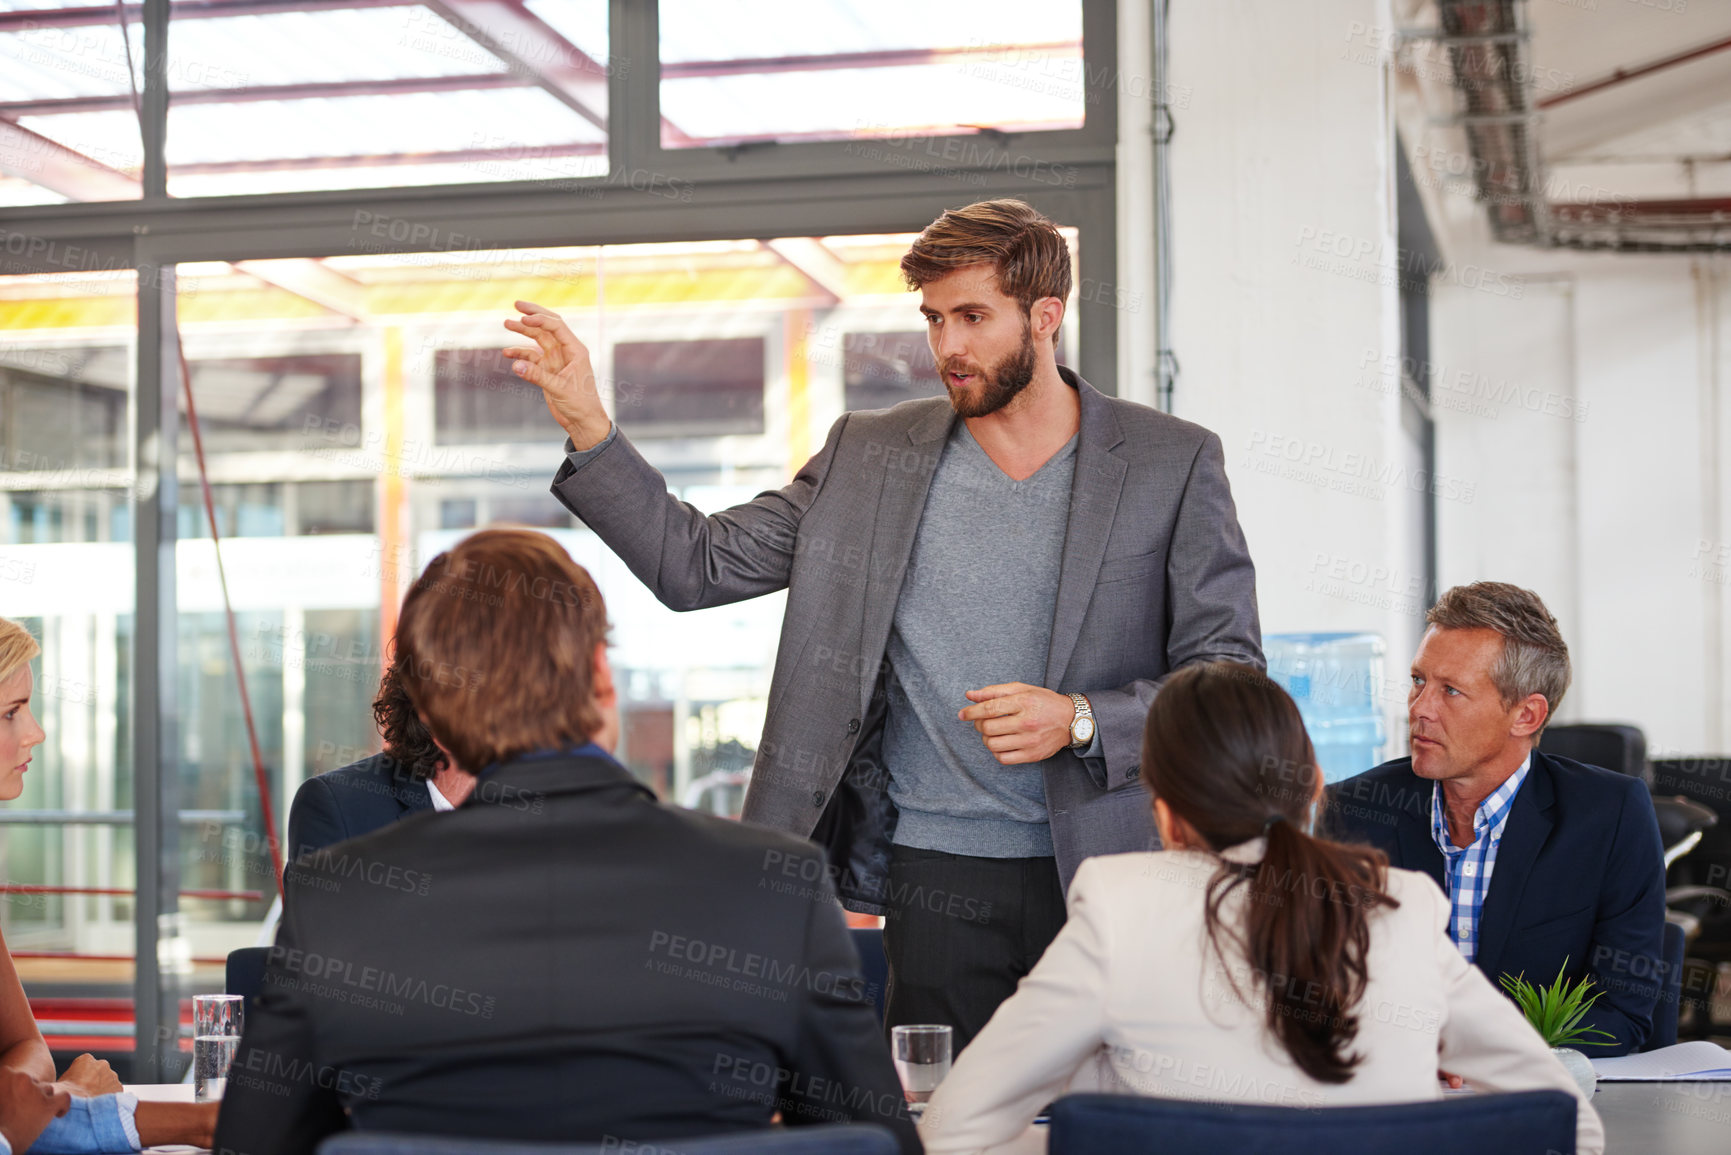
x=984 y=594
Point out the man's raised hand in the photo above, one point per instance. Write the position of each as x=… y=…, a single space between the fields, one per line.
x=558 y=363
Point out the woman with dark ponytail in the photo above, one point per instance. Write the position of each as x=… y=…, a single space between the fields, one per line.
x=1250 y=961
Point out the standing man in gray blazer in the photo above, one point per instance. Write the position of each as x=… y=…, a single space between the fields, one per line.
x=984 y=594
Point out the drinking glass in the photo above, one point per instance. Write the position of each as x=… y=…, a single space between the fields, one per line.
x=215 y=1038
x=922 y=1055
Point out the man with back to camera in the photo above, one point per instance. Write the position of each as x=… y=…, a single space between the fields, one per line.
x=1546 y=860
x=979 y=610
x=561 y=957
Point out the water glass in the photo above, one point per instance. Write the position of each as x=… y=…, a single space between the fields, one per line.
x=922 y=1055
x=215 y=1038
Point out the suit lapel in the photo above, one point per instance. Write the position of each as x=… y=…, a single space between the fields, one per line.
x=1418 y=848
x=904 y=482
x=1099 y=481
x=1529 y=826
x=413 y=796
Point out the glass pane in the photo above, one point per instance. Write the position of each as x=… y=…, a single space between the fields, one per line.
x=327 y=98
x=66 y=560
x=57 y=64
x=789 y=70
x=689 y=388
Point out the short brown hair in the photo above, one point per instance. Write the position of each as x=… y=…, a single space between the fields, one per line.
x=1021 y=244
x=496 y=646
x=1535 y=659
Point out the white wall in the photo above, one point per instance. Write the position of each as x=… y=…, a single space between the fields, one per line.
x=1285 y=314
x=1615 y=510
x=1581 y=423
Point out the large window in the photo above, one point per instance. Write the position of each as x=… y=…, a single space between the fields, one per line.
x=764 y=70
x=356 y=191
x=338 y=96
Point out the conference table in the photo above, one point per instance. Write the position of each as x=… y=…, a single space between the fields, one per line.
x=1639 y=1118
x=1665 y=1118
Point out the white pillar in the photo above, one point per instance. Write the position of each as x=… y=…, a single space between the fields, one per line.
x=1137 y=328
x=1285 y=311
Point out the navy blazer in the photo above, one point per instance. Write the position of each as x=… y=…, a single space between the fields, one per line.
x=1580 y=875
x=351 y=801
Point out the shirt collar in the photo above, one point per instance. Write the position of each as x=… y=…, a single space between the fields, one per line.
x=1492 y=813
x=440 y=802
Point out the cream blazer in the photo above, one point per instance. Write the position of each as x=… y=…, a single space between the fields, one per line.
x=1129 y=999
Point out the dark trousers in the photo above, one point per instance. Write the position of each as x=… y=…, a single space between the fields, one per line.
x=961 y=933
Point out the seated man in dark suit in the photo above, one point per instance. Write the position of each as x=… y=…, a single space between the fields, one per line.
x=1550 y=865
x=409 y=776
x=562 y=957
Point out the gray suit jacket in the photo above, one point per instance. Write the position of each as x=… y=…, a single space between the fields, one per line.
x=1156 y=575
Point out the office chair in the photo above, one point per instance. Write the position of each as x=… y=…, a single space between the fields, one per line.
x=1508 y=1124
x=843 y=1139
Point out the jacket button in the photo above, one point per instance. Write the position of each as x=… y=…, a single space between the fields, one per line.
x=817 y=797
x=853 y=726
x=1130 y=773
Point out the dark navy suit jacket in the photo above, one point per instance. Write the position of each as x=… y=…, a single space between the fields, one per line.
x=351 y=801
x=561 y=958
x=1580 y=875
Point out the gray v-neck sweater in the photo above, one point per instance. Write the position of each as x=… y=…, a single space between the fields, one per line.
x=975 y=610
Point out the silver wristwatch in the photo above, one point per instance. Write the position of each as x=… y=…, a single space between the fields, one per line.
x=1082 y=726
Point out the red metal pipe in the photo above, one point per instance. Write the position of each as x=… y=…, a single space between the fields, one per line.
x=1625 y=74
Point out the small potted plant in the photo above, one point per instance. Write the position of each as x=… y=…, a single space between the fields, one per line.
x=1556 y=1012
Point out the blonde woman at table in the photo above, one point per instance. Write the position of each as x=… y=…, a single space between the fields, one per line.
x=1249 y=961
x=86 y=1110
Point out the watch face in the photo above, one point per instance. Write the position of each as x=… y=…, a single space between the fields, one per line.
x=1082 y=730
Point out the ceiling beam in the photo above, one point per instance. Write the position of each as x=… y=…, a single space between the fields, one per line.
x=314 y=280
x=809 y=257
x=77 y=177
x=14 y=109
x=880 y=58
x=456 y=156
x=532 y=49
x=33 y=157
x=183 y=10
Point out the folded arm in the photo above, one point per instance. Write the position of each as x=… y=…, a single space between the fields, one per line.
x=1487 y=1041
x=1627 y=956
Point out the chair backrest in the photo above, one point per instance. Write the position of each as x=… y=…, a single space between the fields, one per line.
x=1670 y=991
x=842 y=1139
x=1512 y=1124
x=246 y=972
x=1614 y=747
x=874 y=965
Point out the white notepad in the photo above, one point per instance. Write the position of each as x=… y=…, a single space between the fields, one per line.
x=1696 y=1060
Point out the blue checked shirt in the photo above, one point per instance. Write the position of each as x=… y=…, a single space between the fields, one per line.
x=1469 y=868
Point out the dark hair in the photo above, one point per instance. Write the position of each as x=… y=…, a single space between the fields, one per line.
x=1021 y=244
x=408 y=744
x=1226 y=750
x=497 y=646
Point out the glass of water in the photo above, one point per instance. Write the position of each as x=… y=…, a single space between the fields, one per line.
x=215 y=1038
x=922 y=1055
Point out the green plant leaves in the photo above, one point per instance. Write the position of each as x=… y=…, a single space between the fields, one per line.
x=1556 y=1011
